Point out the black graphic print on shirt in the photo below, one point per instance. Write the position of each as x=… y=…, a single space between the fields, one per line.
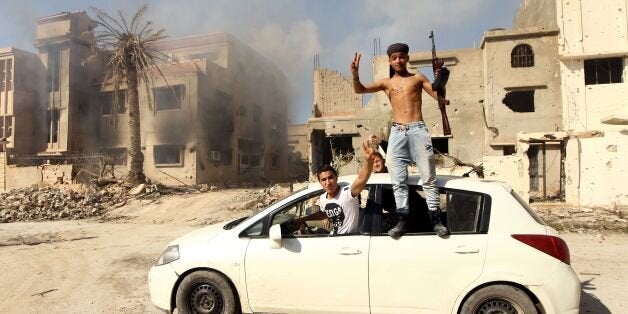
x=335 y=214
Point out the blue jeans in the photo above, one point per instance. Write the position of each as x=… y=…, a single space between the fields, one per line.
x=410 y=143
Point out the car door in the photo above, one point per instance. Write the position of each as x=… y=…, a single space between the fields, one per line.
x=310 y=273
x=421 y=272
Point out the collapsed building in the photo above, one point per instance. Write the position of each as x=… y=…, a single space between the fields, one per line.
x=540 y=106
x=220 y=115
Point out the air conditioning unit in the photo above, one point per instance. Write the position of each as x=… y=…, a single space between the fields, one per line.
x=214 y=155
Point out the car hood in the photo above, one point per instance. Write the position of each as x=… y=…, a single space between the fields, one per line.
x=200 y=235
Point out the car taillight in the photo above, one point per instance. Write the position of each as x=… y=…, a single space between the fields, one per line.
x=553 y=246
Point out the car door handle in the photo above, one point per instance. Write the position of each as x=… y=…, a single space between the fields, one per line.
x=349 y=251
x=463 y=249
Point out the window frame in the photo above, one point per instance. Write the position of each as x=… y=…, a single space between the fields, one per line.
x=179 y=93
x=179 y=164
x=483 y=215
x=522 y=56
x=596 y=64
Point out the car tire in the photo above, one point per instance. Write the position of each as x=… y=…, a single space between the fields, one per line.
x=499 y=299
x=205 y=292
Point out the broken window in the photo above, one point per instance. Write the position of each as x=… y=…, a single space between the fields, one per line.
x=168 y=155
x=116 y=156
x=603 y=71
x=509 y=150
x=6 y=126
x=168 y=98
x=522 y=56
x=52 y=123
x=53 y=69
x=107 y=103
x=520 y=101
x=440 y=145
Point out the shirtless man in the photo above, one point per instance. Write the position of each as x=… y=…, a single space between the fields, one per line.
x=409 y=140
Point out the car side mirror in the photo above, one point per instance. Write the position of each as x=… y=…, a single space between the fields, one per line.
x=275 y=236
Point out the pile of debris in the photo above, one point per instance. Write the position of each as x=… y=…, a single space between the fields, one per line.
x=568 y=218
x=85 y=201
x=53 y=203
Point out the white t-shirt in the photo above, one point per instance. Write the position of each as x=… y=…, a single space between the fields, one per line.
x=343 y=210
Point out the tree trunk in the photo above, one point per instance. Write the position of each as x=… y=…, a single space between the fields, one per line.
x=136 y=175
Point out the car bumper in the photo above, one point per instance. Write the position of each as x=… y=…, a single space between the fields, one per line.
x=161 y=281
x=561 y=292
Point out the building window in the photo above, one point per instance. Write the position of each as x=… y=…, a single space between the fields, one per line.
x=509 y=150
x=6 y=126
x=168 y=155
x=242 y=111
x=54 y=65
x=520 y=101
x=6 y=75
x=168 y=98
x=52 y=123
x=116 y=156
x=441 y=145
x=603 y=71
x=107 y=102
x=522 y=56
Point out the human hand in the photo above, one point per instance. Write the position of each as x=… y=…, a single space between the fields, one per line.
x=355 y=65
x=370 y=146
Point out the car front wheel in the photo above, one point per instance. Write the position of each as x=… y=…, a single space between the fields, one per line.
x=205 y=292
x=499 y=299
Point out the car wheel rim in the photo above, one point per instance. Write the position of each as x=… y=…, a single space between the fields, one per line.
x=498 y=306
x=205 y=298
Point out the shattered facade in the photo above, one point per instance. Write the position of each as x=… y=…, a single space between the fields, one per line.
x=532 y=105
x=221 y=116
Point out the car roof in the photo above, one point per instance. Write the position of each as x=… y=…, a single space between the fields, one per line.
x=441 y=180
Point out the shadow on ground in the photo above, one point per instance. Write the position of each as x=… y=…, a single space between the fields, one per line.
x=589 y=303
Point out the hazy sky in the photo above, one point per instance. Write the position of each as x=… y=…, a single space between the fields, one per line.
x=290 y=32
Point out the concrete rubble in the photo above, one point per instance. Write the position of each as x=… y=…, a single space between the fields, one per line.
x=52 y=203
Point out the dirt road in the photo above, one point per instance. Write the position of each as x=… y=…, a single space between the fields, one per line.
x=93 y=267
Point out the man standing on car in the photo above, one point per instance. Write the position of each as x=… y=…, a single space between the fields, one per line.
x=409 y=141
x=340 y=204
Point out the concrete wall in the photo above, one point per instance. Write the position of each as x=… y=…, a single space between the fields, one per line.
x=534 y=13
x=20 y=177
x=595 y=166
x=501 y=78
x=298 y=140
x=334 y=95
x=511 y=169
x=597 y=170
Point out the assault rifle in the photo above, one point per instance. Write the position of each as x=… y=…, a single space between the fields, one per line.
x=441 y=75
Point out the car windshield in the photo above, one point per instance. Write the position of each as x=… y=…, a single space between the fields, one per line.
x=240 y=220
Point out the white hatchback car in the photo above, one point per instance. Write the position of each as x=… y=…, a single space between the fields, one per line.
x=500 y=258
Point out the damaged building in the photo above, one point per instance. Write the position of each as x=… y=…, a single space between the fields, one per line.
x=536 y=105
x=220 y=116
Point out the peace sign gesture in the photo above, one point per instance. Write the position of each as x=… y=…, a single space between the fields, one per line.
x=355 y=65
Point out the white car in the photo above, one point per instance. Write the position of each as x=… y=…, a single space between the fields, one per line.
x=500 y=258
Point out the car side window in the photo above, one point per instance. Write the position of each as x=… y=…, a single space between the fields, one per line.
x=301 y=208
x=461 y=210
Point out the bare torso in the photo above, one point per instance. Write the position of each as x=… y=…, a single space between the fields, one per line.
x=405 y=97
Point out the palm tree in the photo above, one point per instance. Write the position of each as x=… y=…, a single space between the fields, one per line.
x=133 y=59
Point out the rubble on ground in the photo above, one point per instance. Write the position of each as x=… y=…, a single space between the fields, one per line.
x=70 y=203
x=566 y=218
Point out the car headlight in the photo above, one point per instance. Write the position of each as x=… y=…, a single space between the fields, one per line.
x=170 y=254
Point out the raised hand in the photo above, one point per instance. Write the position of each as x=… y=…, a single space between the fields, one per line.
x=355 y=65
x=370 y=147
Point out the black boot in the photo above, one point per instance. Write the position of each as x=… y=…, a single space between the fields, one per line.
x=438 y=226
x=400 y=228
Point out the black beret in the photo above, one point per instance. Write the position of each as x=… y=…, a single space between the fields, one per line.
x=398 y=47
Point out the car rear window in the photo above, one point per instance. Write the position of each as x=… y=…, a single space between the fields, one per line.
x=528 y=208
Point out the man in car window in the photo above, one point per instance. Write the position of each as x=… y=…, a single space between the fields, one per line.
x=340 y=204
